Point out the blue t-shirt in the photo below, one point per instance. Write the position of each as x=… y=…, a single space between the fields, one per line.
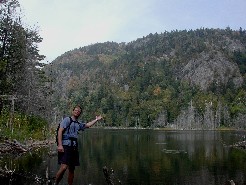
x=71 y=131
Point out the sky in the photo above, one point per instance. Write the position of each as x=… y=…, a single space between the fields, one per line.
x=68 y=24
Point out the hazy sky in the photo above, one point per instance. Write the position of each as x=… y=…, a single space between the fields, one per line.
x=68 y=24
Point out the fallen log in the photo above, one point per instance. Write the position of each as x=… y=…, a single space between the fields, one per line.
x=15 y=147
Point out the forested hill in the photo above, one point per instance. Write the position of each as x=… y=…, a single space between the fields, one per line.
x=184 y=79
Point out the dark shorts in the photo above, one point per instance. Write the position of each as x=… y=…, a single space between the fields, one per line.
x=70 y=156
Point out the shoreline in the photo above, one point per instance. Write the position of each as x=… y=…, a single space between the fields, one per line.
x=17 y=148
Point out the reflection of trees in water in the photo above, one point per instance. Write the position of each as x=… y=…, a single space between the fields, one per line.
x=204 y=155
x=18 y=178
x=29 y=169
x=193 y=141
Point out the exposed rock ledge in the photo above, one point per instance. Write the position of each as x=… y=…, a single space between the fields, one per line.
x=211 y=68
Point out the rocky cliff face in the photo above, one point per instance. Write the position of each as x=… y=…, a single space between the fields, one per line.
x=211 y=68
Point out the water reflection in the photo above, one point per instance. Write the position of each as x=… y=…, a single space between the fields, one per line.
x=24 y=169
x=163 y=157
x=150 y=157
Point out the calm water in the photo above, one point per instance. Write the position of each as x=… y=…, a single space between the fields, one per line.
x=151 y=157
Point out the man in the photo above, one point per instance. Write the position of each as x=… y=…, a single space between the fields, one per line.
x=68 y=156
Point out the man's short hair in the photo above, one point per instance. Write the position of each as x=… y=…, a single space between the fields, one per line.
x=77 y=106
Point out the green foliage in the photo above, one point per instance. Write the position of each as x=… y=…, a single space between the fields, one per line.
x=202 y=98
x=238 y=105
x=21 y=127
x=35 y=123
x=240 y=59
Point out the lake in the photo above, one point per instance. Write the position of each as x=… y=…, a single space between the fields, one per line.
x=151 y=157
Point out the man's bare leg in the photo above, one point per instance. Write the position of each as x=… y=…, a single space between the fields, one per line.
x=61 y=172
x=70 y=175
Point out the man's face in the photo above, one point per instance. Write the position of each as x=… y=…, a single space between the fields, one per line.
x=76 y=111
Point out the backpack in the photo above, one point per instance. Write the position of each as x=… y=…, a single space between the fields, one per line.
x=68 y=127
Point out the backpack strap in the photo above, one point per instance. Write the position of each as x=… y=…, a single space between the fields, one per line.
x=71 y=120
x=68 y=127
